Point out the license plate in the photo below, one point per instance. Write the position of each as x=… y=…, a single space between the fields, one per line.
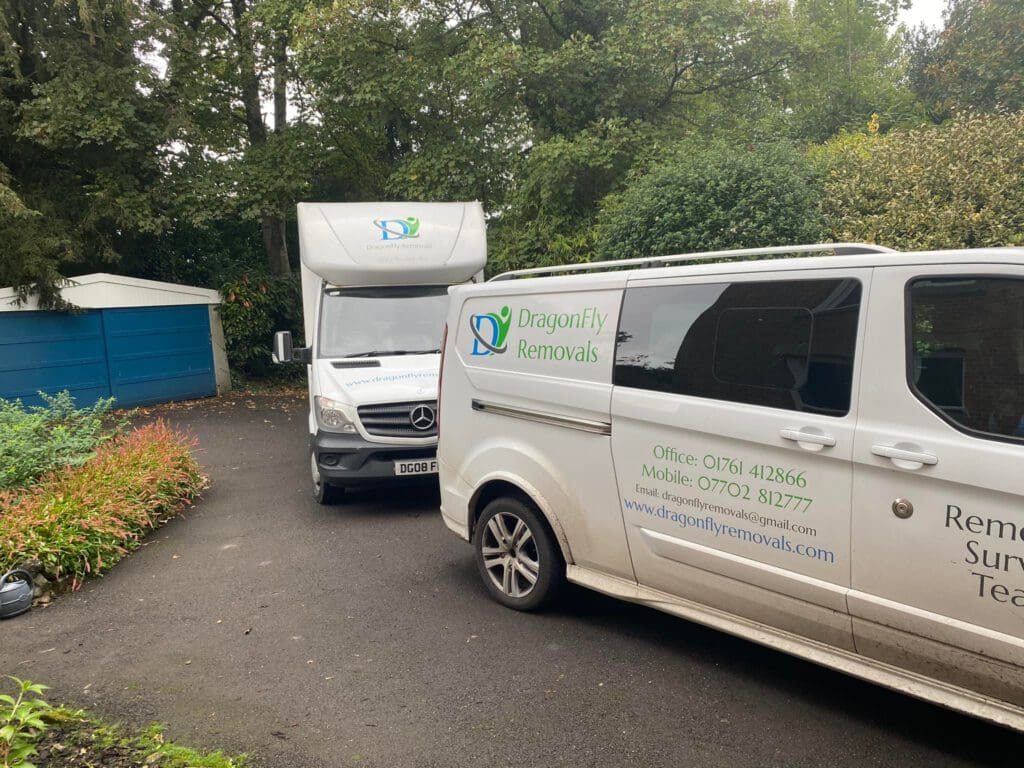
x=416 y=467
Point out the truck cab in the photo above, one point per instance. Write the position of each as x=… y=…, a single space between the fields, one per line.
x=375 y=280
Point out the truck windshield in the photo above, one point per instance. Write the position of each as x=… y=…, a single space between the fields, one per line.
x=370 y=322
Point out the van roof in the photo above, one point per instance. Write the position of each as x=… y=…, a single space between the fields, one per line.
x=830 y=255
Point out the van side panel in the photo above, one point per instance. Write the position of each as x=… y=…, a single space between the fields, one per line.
x=527 y=388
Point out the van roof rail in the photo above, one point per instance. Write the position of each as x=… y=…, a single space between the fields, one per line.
x=834 y=249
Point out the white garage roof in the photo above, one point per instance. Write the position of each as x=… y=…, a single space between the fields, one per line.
x=104 y=291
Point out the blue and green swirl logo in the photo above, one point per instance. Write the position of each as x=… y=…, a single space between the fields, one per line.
x=398 y=229
x=489 y=332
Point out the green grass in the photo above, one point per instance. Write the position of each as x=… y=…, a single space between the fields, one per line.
x=75 y=730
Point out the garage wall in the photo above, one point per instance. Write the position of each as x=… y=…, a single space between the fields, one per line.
x=140 y=355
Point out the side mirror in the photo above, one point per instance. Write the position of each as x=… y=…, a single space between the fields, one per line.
x=282 y=347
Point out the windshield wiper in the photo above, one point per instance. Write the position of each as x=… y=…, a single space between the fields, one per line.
x=378 y=353
x=389 y=352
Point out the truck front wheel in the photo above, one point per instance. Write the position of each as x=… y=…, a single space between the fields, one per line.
x=323 y=491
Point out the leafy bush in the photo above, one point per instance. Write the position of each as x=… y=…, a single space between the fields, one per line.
x=20 y=724
x=957 y=185
x=255 y=306
x=82 y=521
x=710 y=196
x=42 y=438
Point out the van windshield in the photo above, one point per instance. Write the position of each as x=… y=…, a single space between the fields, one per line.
x=370 y=322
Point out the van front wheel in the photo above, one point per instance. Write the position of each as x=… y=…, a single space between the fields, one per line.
x=517 y=556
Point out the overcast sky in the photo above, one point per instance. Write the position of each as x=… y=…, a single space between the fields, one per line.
x=928 y=11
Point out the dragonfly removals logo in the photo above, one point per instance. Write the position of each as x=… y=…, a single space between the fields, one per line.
x=398 y=229
x=490 y=332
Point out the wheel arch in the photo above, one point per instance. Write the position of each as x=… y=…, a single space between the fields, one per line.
x=499 y=486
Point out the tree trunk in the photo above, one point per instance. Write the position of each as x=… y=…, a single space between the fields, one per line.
x=275 y=245
x=272 y=224
x=280 y=83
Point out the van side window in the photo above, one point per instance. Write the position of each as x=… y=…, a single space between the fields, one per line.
x=966 y=352
x=782 y=344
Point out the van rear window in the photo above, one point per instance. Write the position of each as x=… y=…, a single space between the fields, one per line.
x=966 y=352
x=781 y=344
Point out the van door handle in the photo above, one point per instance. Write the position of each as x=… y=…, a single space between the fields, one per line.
x=903 y=454
x=799 y=436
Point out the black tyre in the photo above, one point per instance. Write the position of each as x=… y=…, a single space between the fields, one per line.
x=323 y=492
x=516 y=555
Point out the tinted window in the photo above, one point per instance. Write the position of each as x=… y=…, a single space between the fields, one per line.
x=782 y=344
x=967 y=351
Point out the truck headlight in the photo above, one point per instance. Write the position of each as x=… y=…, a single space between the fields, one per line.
x=333 y=416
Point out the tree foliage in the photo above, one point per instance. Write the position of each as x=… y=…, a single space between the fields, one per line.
x=852 y=66
x=80 y=138
x=171 y=139
x=975 y=63
x=711 y=196
x=957 y=185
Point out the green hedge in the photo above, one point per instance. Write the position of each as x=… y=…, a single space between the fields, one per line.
x=255 y=306
x=956 y=185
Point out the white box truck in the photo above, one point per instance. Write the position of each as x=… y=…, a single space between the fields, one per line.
x=375 y=280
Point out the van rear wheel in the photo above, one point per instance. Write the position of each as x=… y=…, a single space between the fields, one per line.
x=517 y=556
x=323 y=492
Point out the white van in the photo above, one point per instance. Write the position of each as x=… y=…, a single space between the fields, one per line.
x=375 y=280
x=823 y=454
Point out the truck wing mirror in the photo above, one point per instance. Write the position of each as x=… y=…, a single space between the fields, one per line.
x=283 y=352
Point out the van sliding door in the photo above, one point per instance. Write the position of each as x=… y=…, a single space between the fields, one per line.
x=733 y=414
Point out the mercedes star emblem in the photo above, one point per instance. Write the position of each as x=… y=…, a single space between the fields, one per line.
x=422 y=417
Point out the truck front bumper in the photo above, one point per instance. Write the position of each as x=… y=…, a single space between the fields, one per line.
x=350 y=460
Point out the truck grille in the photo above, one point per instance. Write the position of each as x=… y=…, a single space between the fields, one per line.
x=418 y=419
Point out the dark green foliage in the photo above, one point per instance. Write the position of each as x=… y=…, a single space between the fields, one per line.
x=975 y=63
x=556 y=116
x=80 y=139
x=255 y=306
x=710 y=196
x=850 y=66
x=551 y=211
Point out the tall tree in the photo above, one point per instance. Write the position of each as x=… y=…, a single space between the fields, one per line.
x=852 y=67
x=242 y=145
x=79 y=137
x=976 y=62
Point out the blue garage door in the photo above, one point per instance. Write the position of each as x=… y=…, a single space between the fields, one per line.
x=139 y=355
x=49 y=351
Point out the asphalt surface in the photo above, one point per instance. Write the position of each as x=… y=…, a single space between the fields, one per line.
x=307 y=636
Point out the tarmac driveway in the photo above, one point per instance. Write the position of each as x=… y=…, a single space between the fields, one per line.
x=359 y=635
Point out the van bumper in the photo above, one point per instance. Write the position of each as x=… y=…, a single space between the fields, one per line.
x=455 y=496
x=350 y=460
